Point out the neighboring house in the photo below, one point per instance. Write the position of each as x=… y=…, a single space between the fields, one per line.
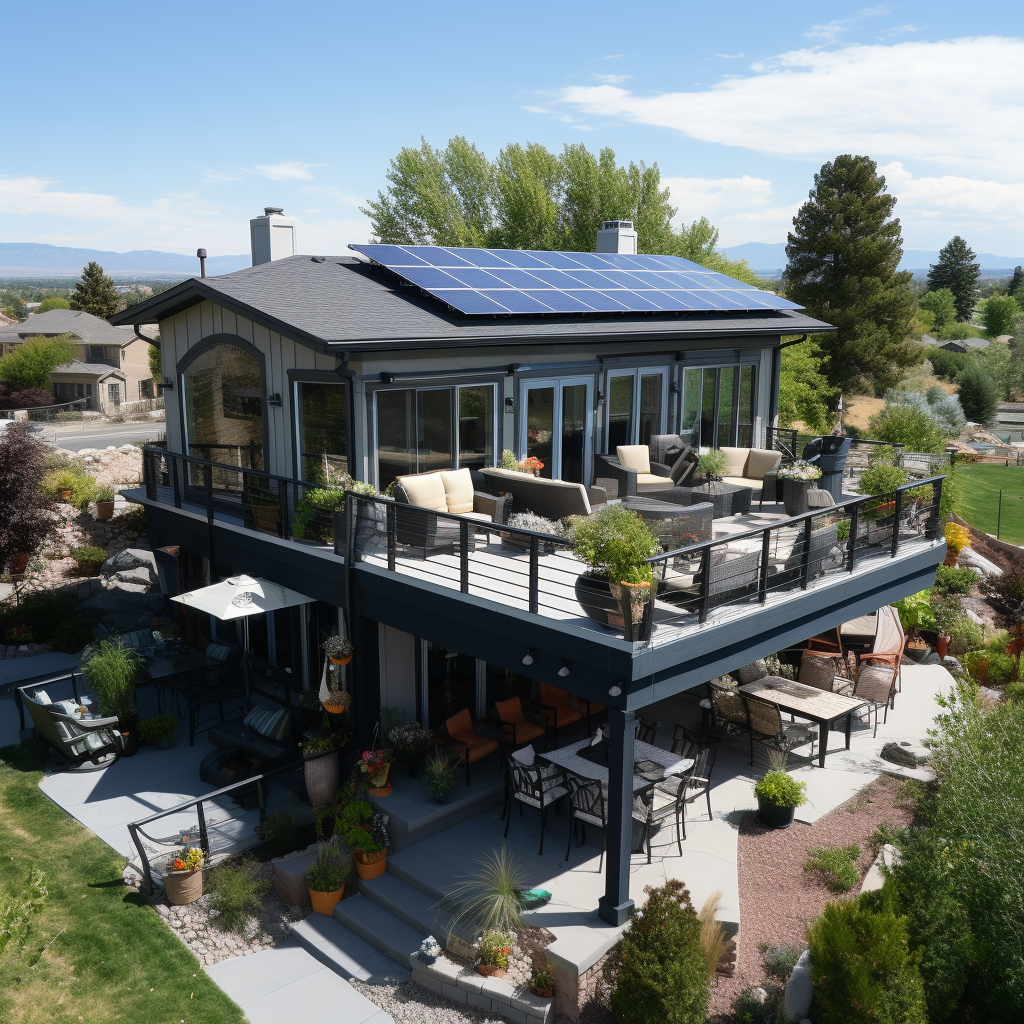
x=959 y=345
x=1008 y=422
x=298 y=369
x=112 y=364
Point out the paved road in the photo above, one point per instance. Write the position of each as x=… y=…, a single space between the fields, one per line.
x=73 y=437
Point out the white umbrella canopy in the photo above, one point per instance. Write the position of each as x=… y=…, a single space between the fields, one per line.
x=240 y=596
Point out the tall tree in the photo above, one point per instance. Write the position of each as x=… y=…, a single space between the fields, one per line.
x=957 y=271
x=54 y=302
x=804 y=392
x=26 y=516
x=977 y=394
x=32 y=362
x=95 y=293
x=999 y=314
x=942 y=306
x=1015 y=282
x=843 y=255
x=526 y=183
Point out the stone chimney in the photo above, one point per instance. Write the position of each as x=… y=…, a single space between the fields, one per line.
x=272 y=236
x=616 y=236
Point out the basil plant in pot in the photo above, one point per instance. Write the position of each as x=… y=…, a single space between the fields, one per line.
x=778 y=795
x=616 y=543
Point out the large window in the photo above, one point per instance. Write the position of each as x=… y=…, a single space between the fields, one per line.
x=636 y=406
x=424 y=429
x=719 y=405
x=223 y=392
x=321 y=411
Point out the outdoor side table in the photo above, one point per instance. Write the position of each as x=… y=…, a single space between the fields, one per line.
x=808 y=702
x=727 y=499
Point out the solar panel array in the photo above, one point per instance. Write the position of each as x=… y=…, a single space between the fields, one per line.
x=503 y=281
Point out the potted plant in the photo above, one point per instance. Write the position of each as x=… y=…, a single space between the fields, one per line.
x=616 y=543
x=366 y=833
x=778 y=796
x=183 y=877
x=542 y=980
x=89 y=559
x=531 y=464
x=508 y=461
x=797 y=479
x=957 y=538
x=314 y=514
x=111 y=676
x=430 y=950
x=408 y=742
x=338 y=649
x=495 y=949
x=337 y=702
x=376 y=764
x=320 y=767
x=711 y=466
x=160 y=731
x=105 y=502
x=439 y=777
x=325 y=879
x=538 y=524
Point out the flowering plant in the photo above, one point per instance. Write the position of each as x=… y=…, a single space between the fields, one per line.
x=408 y=739
x=430 y=946
x=531 y=464
x=186 y=860
x=337 y=647
x=957 y=537
x=373 y=762
x=799 y=470
x=317 y=743
x=19 y=635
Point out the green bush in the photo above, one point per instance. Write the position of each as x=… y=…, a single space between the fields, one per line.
x=781 y=789
x=662 y=974
x=134 y=518
x=947 y=364
x=313 y=514
x=862 y=968
x=89 y=558
x=236 y=893
x=915 y=611
x=779 y=961
x=53 y=618
x=837 y=866
x=111 y=676
x=617 y=542
x=951 y=580
x=882 y=479
x=70 y=478
x=908 y=425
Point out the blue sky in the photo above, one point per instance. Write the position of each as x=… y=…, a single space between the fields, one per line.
x=166 y=126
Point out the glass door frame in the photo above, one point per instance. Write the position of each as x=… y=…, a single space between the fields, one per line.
x=558 y=384
x=734 y=413
x=637 y=373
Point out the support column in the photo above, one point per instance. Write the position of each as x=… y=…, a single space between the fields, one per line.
x=615 y=906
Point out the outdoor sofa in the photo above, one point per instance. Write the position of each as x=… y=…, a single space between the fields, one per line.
x=552 y=499
x=756 y=468
x=635 y=472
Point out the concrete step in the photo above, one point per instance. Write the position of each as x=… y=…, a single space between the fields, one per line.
x=431 y=875
x=380 y=927
x=415 y=908
x=346 y=953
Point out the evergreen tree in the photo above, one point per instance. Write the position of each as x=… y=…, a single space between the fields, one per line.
x=957 y=271
x=977 y=394
x=95 y=293
x=1015 y=282
x=843 y=255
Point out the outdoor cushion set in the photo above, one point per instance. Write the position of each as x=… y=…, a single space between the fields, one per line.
x=77 y=740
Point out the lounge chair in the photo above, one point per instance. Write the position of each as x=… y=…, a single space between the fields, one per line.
x=518 y=726
x=75 y=743
x=556 y=707
x=463 y=740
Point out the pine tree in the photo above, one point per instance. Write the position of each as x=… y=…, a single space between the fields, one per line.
x=843 y=255
x=977 y=394
x=957 y=271
x=95 y=293
x=1015 y=282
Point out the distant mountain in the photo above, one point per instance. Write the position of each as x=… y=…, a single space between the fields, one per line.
x=32 y=259
x=770 y=257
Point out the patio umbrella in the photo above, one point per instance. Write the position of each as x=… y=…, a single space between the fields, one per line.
x=238 y=597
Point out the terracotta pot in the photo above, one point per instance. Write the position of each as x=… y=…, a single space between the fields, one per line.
x=183 y=886
x=324 y=902
x=379 y=791
x=104 y=509
x=490 y=971
x=379 y=780
x=942 y=644
x=370 y=865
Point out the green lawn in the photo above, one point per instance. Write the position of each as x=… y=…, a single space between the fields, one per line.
x=980 y=485
x=97 y=951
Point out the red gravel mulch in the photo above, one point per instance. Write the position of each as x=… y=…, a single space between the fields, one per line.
x=778 y=899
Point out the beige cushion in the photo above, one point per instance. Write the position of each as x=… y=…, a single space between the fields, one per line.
x=743 y=481
x=479 y=516
x=735 y=461
x=650 y=482
x=458 y=490
x=635 y=456
x=425 y=490
x=760 y=461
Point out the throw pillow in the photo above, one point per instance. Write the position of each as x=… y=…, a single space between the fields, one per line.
x=684 y=466
x=751 y=673
x=526 y=756
x=634 y=456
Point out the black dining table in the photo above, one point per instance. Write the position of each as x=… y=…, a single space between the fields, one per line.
x=163 y=663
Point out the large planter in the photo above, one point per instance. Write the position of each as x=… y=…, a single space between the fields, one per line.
x=322 y=778
x=183 y=886
x=774 y=816
x=129 y=737
x=324 y=902
x=267 y=518
x=596 y=599
x=104 y=509
x=370 y=865
x=794 y=496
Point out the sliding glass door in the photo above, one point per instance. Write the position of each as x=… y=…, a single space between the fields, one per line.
x=556 y=426
x=719 y=406
x=636 y=406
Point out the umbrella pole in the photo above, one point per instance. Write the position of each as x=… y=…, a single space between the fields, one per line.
x=248 y=677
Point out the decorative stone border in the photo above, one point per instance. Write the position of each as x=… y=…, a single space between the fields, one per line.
x=493 y=995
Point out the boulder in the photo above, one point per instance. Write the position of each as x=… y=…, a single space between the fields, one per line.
x=130 y=558
x=908 y=754
x=799 y=990
x=139 y=575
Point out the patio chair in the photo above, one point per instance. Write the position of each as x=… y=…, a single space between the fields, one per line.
x=216 y=683
x=536 y=785
x=686 y=742
x=728 y=709
x=889 y=641
x=518 y=726
x=461 y=737
x=646 y=731
x=75 y=744
x=875 y=683
x=589 y=806
x=767 y=727
x=555 y=706
x=685 y=789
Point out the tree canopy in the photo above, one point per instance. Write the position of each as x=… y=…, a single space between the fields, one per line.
x=804 y=391
x=1015 y=282
x=999 y=314
x=941 y=305
x=54 y=302
x=843 y=254
x=32 y=362
x=957 y=271
x=95 y=293
x=26 y=519
x=531 y=198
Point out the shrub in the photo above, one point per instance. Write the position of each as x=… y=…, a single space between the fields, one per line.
x=915 y=611
x=781 y=789
x=53 y=618
x=779 y=961
x=313 y=514
x=280 y=832
x=977 y=394
x=104 y=494
x=77 y=481
x=838 y=866
x=862 y=969
x=617 y=542
x=490 y=900
x=88 y=558
x=328 y=873
x=882 y=479
x=26 y=517
x=236 y=893
x=947 y=364
x=1008 y=590
x=662 y=975
x=111 y=676
x=951 y=580
x=134 y=518
x=908 y=425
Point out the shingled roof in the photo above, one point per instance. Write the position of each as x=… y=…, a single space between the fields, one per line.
x=341 y=302
x=93 y=330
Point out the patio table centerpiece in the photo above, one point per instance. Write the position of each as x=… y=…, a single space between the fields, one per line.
x=797 y=479
x=183 y=877
x=376 y=764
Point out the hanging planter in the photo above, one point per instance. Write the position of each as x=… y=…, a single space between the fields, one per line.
x=339 y=649
x=337 y=702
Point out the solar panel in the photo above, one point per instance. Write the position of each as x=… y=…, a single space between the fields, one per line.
x=516 y=281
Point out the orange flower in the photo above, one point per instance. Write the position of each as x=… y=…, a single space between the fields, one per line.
x=179 y=865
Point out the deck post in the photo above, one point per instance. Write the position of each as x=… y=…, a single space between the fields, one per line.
x=615 y=906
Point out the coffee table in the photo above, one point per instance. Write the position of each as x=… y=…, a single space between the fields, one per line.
x=727 y=499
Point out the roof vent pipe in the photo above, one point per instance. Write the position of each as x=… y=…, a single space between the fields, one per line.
x=201 y=253
x=617 y=236
x=272 y=236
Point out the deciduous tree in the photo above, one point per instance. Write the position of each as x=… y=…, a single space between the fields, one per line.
x=957 y=271
x=54 y=302
x=843 y=253
x=999 y=315
x=26 y=518
x=942 y=306
x=32 y=362
x=804 y=391
x=95 y=293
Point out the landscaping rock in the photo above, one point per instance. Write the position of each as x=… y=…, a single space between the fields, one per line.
x=799 y=990
x=139 y=575
x=130 y=558
x=909 y=755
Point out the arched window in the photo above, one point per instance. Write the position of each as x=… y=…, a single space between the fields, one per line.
x=223 y=394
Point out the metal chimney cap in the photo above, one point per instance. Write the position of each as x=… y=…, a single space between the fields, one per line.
x=201 y=253
x=270 y=210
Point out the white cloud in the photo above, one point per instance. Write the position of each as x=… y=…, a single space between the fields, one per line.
x=890 y=101
x=613 y=79
x=286 y=170
x=829 y=32
x=729 y=56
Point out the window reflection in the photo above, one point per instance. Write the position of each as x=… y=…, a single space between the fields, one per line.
x=323 y=431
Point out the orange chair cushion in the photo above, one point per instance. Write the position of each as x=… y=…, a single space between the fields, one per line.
x=560 y=716
x=510 y=711
x=553 y=696
x=480 y=747
x=460 y=727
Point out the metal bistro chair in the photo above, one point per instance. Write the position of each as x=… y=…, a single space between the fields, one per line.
x=767 y=727
x=647 y=731
x=537 y=786
x=216 y=683
x=682 y=790
x=587 y=805
x=728 y=708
